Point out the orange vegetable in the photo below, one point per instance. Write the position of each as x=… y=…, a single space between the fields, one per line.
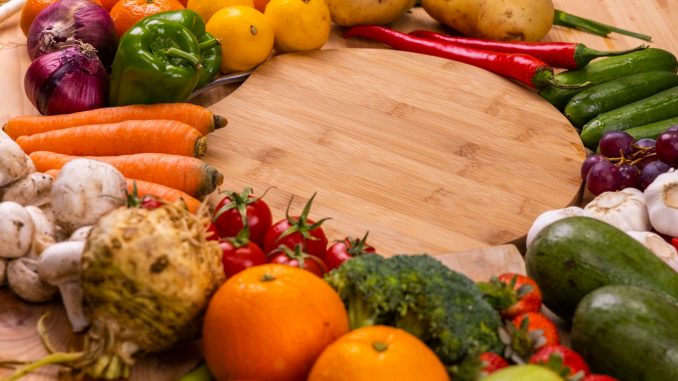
x=126 y=13
x=199 y=117
x=145 y=188
x=184 y=173
x=124 y=138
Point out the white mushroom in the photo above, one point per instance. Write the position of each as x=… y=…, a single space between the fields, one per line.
x=3 y=272
x=41 y=220
x=60 y=266
x=80 y=234
x=16 y=230
x=84 y=191
x=32 y=189
x=14 y=163
x=23 y=278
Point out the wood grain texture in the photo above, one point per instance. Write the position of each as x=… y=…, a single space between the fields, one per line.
x=427 y=154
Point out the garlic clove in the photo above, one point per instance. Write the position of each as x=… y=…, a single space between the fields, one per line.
x=623 y=209
x=549 y=217
x=656 y=244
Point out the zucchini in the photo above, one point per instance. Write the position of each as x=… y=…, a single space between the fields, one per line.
x=577 y=255
x=606 y=70
x=652 y=130
x=663 y=105
x=617 y=93
x=629 y=333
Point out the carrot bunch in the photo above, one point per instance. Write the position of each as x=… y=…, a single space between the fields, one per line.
x=155 y=147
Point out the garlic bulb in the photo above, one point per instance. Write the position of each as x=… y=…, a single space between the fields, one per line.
x=662 y=203
x=662 y=249
x=624 y=209
x=550 y=217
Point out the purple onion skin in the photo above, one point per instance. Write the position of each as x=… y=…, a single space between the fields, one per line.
x=68 y=21
x=67 y=81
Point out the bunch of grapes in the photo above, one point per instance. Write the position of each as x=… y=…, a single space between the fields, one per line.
x=624 y=162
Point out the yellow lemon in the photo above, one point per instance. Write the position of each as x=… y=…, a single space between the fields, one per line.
x=207 y=8
x=246 y=37
x=299 y=24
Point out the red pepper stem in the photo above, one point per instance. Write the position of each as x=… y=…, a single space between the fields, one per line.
x=583 y=54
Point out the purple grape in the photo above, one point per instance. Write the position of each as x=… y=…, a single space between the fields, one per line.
x=603 y=176
x=667 y=147
x=672 y=128
x=645 y=150
x=629 y=176
x=647 y=143
x=651 y=171
x=588 y=163
x=616 y=144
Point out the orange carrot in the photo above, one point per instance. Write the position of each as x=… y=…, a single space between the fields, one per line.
x=124 y=138
x=187 y=174
x=52 y=172
x=199 y=117
x=144 y=188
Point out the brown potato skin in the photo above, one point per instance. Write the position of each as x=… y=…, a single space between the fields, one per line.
x=367 y=12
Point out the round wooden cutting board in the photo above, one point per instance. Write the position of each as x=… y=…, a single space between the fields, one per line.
x=427 y=154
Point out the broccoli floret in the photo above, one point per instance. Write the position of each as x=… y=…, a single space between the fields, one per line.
x=420 y=295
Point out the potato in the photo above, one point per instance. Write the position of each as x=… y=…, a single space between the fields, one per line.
x=361 y=12
x=528 y=20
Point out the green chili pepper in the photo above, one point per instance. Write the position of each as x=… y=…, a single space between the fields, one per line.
x=210 y=49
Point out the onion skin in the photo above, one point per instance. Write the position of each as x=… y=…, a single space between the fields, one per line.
x=68 y=21
x=67 y=81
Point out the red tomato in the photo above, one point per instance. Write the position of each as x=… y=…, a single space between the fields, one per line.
x=599 y=377
x=151 y=203
x=211 y=232
x=228 y=220
x=299 y=259
x=301 y=230
x=342 y=251
x=562 y=360
x=237 y=258
x=490 y=363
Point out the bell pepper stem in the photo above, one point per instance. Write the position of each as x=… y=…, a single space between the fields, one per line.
x=208 y=44
x=190 y=57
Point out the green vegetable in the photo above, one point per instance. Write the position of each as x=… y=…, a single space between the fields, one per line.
x=157 y=61
x=616 y=93
x=527 y=372
x=629 y=333
x=608 y=69
x=652 y=130
x=201 y=373
x=210 y=48
x=419 y=294
x=577 y=255
x=663 y=105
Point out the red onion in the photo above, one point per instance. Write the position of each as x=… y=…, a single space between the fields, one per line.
x=69 y=80
x=68 y=21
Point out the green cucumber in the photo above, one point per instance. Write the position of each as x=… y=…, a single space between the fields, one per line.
x=577 y=255
x=608 y=69
x=617 y=93
x=652 y=130
x=663 y=105
x=629 y=333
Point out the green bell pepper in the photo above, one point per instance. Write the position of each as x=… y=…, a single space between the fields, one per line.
x=160 y=60
x=210 y=49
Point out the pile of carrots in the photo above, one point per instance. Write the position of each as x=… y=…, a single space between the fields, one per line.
x=156 y=147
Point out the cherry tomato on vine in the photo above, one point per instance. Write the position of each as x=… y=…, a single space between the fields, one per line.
x=238 y=256
x=228 y=215
x=298 y=258
x=342 y=251
x=211 y=232
x=293 y=231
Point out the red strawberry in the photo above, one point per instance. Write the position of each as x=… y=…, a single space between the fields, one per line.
x=512 y=294
x=599 y=377
x=526 y=334
x=491 y=362
x=561 y=359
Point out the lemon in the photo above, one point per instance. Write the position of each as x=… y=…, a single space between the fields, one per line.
x=246 y=37
x=207 y=8
x=299 y=24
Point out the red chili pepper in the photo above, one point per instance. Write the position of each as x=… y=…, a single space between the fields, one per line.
x=565 y=55
x=529 y=70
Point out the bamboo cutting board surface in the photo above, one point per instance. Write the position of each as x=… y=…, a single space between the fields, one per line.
x=428 y=154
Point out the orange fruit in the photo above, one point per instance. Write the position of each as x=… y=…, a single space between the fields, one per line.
x=299 y=24
x=108 y=4
x=207 y=8
x=126 y=13
x=270 y=323
x=378 y=353
x=31 y=9
x=246 y=37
